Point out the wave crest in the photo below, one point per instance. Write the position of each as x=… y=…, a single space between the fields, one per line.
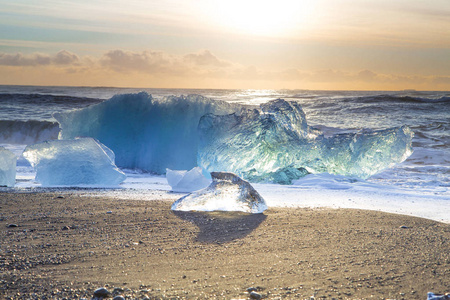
x=27 y=132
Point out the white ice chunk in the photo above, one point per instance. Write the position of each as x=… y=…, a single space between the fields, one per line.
x=227 y=192
x=82 y=161
x=7 y=168
x=187 y=181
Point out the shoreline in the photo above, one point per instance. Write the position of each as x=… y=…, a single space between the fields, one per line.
x=431 y=207
x=68 y=245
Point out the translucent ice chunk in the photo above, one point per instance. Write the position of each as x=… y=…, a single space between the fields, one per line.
x=82 y=161
x=227 y=192
x=187 y=181
x=145 y=133
x=7 y=168
x=433 y=296
x=261 y=144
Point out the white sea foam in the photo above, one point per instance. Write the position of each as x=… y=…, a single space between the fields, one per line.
x=313 y=191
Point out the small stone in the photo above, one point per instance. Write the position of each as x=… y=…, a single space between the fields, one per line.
x=12 y=225
x=65 y=228
x=118 y=298
x=109 y=212
x=251 y=289
x=101 y=292
x=404 y=227
x=255 y=295
x=60 y=197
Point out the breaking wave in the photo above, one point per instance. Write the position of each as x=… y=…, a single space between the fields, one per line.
x=27 y=132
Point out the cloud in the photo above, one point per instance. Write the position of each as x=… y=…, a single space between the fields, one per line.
x=444 y=80
x=203 y=63
x=202 y=68
x=37 y=59
x=65 y=58
x=146 y=61
x=205 y=58
x=20 y=59
x=367 y=75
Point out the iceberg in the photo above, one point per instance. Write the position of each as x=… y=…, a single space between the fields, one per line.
x=145 y=133
x=274 y=143
x=269 y=143
x=187 y=181
x=7 y=168
x=227 y=192
x=82 y=161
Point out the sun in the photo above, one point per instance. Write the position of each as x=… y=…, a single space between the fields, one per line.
x=263 y=17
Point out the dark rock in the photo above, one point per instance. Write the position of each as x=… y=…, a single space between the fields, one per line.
x=117 y=291
x=255 y=295
x=101 y=292
x=118 y=298
x=12 y=225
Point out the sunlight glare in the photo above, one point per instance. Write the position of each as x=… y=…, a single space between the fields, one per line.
x=264 y=17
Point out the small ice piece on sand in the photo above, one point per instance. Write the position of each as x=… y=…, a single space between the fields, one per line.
x=433 y=296
x=7 y=168
x=186 y=181
x=82 y=161
x=227 y=192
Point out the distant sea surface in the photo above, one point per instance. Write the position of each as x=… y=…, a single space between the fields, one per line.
x=26 y=118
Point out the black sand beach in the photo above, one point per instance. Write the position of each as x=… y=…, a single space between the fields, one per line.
x=56 y=246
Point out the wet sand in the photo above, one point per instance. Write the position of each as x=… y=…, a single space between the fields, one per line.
x=67 y=245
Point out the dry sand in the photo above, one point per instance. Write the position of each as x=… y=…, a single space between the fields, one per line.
x=67 y=247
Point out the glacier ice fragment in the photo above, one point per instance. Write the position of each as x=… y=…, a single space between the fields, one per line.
x=227 y=192
x=7 y=167
x=187 y=181
x=260 y=144
x=82 y=161
x=145 y=133
x=433 y=296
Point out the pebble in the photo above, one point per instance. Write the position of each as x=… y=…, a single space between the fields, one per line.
x=12 y=225
x=118 y=298
x=101 y=292
x=255 y=295
x=118 y=290
x=109 y=212
x=404 y=227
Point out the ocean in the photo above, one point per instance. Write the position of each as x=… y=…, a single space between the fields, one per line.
x=419 y=186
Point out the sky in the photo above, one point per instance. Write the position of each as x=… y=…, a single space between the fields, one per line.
x=237 y=44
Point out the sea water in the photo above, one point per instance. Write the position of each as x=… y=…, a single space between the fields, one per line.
x=419 y=186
